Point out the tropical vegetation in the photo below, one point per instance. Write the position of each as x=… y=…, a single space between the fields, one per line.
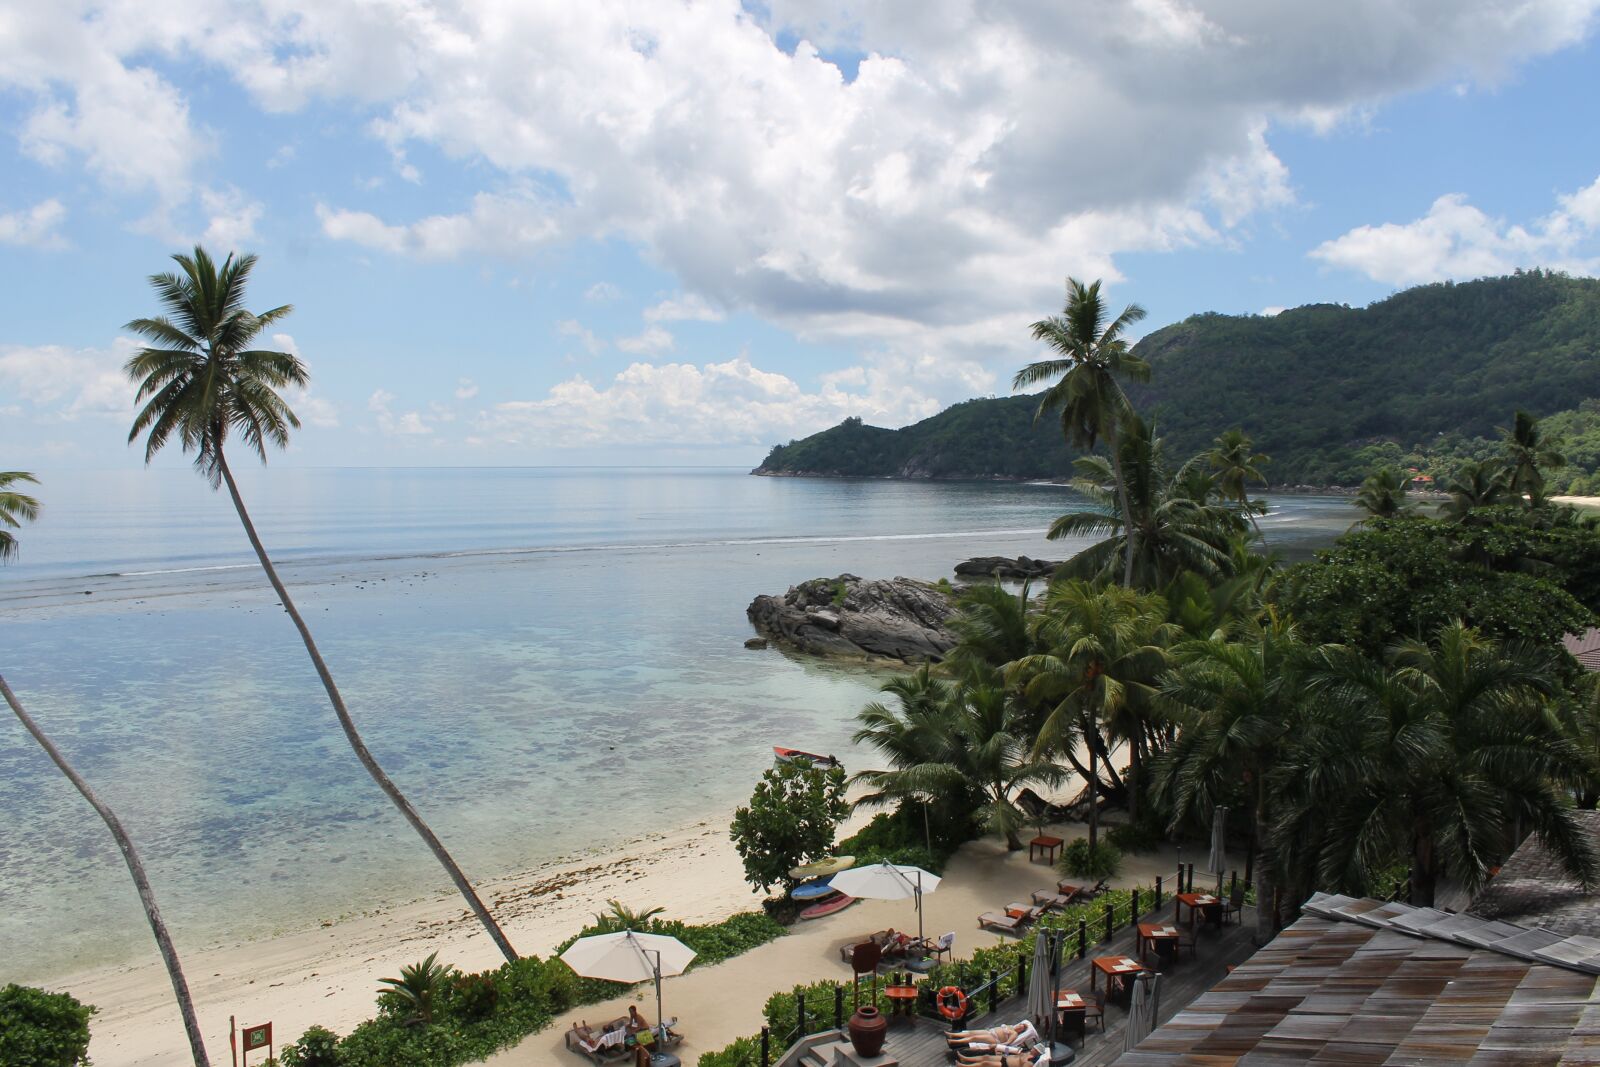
x=43 y=1029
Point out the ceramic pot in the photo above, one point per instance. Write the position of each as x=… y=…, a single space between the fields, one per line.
x=867 y=1028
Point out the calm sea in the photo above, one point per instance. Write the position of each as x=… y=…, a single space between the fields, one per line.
x=545 y=659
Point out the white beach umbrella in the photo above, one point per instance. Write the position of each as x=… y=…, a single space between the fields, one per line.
x=1219 y=841
x=887 y=881
x=627 y=956
x=1040 y=996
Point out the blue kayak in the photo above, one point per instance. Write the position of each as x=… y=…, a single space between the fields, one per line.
x=813 y=890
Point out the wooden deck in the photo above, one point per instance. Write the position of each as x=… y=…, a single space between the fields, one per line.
x=920 y=1042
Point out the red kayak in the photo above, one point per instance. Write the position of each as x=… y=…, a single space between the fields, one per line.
x=789 y=755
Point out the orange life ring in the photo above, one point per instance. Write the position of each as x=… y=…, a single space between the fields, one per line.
x=951 y=1002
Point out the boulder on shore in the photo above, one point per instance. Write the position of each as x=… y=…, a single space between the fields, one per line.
x=892 y=619
x=1006 y=567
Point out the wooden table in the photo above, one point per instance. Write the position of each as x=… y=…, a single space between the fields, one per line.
x=902 y=999
x=1194 y=902
x=1114 y=967
x=1070 y=1010
x=1046 y=844
x=1150 y=933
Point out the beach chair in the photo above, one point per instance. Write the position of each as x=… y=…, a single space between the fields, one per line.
x=1096 y=1010
x=996 y=920
x=1235 y=907
x=1070 y=891
x=1018 y=910
x=607 y=1046
x=1049 y=899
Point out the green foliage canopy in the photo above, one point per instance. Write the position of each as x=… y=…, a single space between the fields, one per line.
x=790 y=820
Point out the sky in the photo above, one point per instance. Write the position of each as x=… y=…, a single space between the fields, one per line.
x=518 y=232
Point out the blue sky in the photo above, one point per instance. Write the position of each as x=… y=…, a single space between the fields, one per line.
x=680 y=233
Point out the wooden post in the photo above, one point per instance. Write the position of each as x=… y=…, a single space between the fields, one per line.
x=1111 y=921
x=994 y=992
x=838 y=1007
x=1133 y=910
x=1022 y=972
x=800 y=1010
x=1233 y=883
x=766 y=1047
x=1158 y=893
x=1083 y=938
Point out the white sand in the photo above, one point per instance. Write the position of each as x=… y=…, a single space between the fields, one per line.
x=1578 y=501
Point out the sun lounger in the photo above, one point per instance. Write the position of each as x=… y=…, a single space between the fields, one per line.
x=890 y=942
x=1049 y=899
x=1019 y=910
x=606 y=1045
x=996 y=920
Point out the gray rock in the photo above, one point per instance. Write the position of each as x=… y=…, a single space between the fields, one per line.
x=756 y=642
x=1006 y=567
x=895 y=619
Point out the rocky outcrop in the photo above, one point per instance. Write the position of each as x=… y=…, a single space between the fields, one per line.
x=895 y=619
x=1006 y=567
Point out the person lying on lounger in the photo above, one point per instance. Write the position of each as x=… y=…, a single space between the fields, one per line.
x=1020 y=1034
x=1034 y=1057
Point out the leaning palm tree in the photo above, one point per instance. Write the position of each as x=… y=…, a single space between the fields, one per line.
x=1237 y=466
x=1383 y=495
x=14 y=510
x=202 y=381
x=1092 y=357
x=1529 y=453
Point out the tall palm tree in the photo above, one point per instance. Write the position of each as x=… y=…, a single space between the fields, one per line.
x=1237 y=466
x=1529 y=453
x=14 y=510
x=1477 y=484
x=1098 y=676
x=202 y=381
x=1458 y=737
x=1237 y=704
x=1092 y=358
x=1177 y=524
x=1383 y=495
x=993 y=754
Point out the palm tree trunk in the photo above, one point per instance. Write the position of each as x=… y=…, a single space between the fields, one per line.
x=354 y=737
x=1129 y=535
x=1094 y=788
x=1424 y=874
x=147 y=896
x=1135 y=778
x=1266 y=911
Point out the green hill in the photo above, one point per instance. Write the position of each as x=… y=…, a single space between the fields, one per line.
x=1328 y=391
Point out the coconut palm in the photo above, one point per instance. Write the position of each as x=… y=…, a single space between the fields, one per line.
x=201 y=382
x=15 y=509
x=1477 y=484
x=1456 y=738
x=1529 y=453
x=1098 y=676
x=914 y=734
x=418 y=987
x=1177 y=525
x=1383 y=495
x=1237 y=703
x=618 y=916
x=1237 y=466
x=993 y=754
x=1092 y=358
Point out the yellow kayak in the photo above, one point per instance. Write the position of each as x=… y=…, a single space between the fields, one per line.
x=824 y=868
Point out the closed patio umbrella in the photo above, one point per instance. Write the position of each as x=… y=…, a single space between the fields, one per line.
x=887 y=881
x=1219 y=841
x=1039 y=992
x=1141 y=1011
x=627 y=956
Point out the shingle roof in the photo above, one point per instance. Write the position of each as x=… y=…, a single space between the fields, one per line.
x=1359 y=982
x=1532 y=888
x=1585 y=648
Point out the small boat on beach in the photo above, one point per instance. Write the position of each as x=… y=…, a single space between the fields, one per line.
x=790 y=755
x=823 y=868
x=838 y=902
x=813 y=890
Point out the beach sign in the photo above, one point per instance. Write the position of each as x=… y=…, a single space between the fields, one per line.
x=250 y=1038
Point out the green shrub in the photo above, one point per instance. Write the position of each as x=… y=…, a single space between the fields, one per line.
x=473 y=997
x=317 y=1047
x=744 y=1052
x=1103 y=862
x=39 y=1029
x=1142 y=836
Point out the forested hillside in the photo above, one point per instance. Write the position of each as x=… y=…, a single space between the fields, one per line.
x=1423 y=378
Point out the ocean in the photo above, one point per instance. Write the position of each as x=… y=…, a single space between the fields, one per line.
x=545 y=659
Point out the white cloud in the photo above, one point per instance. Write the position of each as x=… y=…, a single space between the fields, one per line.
x=601 y=292
x=688 y=308
x=466 y=389
x=498 y=224
x=58 y=382
x=403 y=424
x=653 y=341
x=688 y=404
x=585 y=337
x=38 y=226
x=232 y=219
x=1456 y=240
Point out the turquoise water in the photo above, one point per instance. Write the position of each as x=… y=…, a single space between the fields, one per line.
x=544 y=659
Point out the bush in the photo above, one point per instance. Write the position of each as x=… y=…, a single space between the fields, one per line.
x=1141 y=836
x=39 y=1029
x=744 y=1052
x=317 y=1047
x=1103 y=862
x=473 y=997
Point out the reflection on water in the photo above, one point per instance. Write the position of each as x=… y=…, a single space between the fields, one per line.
x=545 y=660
